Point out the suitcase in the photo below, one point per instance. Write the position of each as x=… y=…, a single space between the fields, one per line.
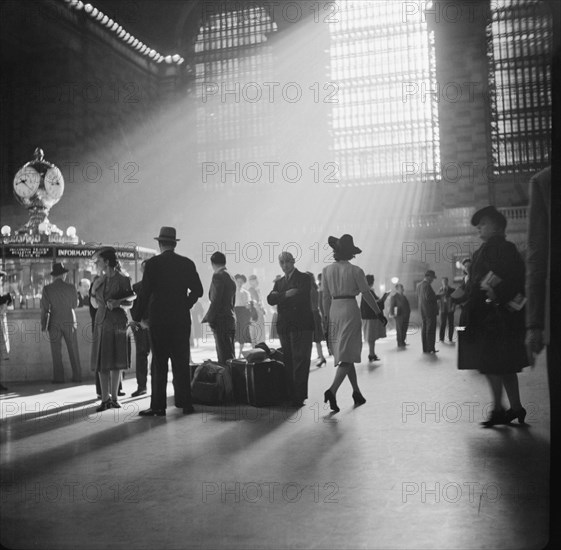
x=237 y=372
x=469 y=351
x=265 y=383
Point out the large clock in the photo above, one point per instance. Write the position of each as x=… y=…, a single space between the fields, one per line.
x=26 y=182
x=54 y=183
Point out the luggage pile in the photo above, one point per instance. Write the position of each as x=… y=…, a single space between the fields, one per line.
x=257 y=380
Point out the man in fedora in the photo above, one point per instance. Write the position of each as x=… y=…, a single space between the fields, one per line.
x=58 y=318
x=428 y=308
x=170 y=287
x=295 y=326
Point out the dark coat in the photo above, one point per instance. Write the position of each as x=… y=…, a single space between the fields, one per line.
x=109 y=347
x=402 y=303
x=295 y=312
x=427 y=301
x=222 y=295
x=60 y=298
x=492 y=326
x=170 y=287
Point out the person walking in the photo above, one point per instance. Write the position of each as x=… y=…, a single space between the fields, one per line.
x=342 y=282
x=170 y=287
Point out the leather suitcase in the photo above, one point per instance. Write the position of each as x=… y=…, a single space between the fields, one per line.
x=237 y=370
x=265 y=383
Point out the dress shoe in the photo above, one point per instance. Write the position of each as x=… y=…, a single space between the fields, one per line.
x=328 y=396
x=373 y=358
x=138 y=392
x=511 y=414
x=115 y=404
x=358 y=398
x=189 y=410
x=152 y=412
x=496 y=417
x=104 y=406
x=120 y=393
x=321 y=362
x=434 y=351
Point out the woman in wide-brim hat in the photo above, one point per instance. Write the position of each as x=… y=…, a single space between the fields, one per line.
x=342 y=282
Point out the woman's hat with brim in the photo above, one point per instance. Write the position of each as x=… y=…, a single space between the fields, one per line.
x=58 y=269
x=167 y=235
x=344 y=244
x=489 y=212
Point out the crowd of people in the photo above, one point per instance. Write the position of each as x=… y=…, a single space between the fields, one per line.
x=491 y=335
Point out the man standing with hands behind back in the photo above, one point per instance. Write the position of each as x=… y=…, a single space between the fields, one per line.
x=170 y=287
x=295 y=326
x=58 y=318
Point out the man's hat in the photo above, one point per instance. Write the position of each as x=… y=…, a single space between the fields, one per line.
x=490 y=212
x=58 y=269
x=167 y=234
x=430 y=273
x=344 y=244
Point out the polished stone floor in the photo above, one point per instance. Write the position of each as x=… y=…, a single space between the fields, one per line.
x=410 y=469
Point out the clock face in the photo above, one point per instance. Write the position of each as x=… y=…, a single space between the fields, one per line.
x=26 y=182
x=54 y=183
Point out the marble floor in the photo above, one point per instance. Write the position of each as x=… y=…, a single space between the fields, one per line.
x=410 y=469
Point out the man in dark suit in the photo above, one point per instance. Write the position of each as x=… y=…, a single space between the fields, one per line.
x=400 y=310
x=58 y=318
x=295 y=326
x=170 y=287
x=428 y=308
x=447 y=308
x=220 y=315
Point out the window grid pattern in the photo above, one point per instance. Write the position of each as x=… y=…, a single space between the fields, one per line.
x=232 y=52
x=519 y=41
x=375 y=56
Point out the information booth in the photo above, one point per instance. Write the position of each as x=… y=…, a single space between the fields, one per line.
x=28 y=255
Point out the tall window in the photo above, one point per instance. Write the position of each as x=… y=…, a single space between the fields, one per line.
x=519 y=42
x=385 y=119
x=232 y=54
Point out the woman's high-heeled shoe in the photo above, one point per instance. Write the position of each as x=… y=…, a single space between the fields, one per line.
x=321 y=362
x=358 y=398
x=373 y=358
x=496 y=417
x=104 y=406
x=511 y=414
x=328 y=396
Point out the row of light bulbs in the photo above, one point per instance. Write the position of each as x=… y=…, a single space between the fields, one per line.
x=123 y=34
x=43 y=227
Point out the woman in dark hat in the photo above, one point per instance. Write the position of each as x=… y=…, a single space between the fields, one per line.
x=111 y=292
x=493 y=315
x=342 y=282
